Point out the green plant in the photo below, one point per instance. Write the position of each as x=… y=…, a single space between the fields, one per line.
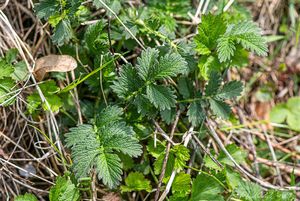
x=224 y=45
x=288 y=112
x=139 y=113
x=97 y=146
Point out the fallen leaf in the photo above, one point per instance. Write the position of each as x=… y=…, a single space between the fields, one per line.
x=53 y=63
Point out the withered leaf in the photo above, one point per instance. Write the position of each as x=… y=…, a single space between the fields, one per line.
x=53 y=63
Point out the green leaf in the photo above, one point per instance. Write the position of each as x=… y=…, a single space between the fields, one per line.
x=168 y=115
x=272 y=195
x=207 y=36
x=6 y=86
x=96 y=38
x=196 y=113
x=185 y=87
x=206 y=188
x=96 y=146
x=46 y=8
x=11 y=55
x=159 y=162
x=64 y=190
x=62 y=32
x=157 y=150
x=124 y=85
x=136 y=181
x=147 y=63
x=230 y=89
x=237 y=153
x=108 y=115
x=26 y=197
x=289 y=112
x=182 y=184
x=220 y=108
x=6 y=69
x=182 y=155
x=214 y=84
x=249 y=191
x=279 y=113
x=226 y=48
x=161 y=96
x=207 y=64
x=109 y=169
x=20 y=71
x=170 y=65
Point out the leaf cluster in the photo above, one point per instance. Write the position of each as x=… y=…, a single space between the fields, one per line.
x=96 y=146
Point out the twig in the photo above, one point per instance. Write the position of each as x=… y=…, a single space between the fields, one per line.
x=164 y=165
x=259 y=181
x=172 y=177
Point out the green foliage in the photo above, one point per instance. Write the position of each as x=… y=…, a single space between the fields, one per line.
x=26 y=197
x=64 y=190
x=202 y=191
x=96 y=39
x=136 y=181
x=223 y=44
x=150 y=68
x=249 y=191
x=289 y=112
x=60 y=15
x=237 y=153
x=182 y=185
x=97 y=146
x=49 y=90
x=11 y=73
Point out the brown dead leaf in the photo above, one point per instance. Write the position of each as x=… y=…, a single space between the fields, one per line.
x=53 y=63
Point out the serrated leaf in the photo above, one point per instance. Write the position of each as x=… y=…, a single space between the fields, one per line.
x=96 y=38
x=185 y=87
x=124 y=85
x=168 y=115
x=214 y=83
x=11 y=55
x=161 y=97
x=207 y=32
x=230 y=89
x=144 y=106
x=249 y=191
x=181 y=154
x=64 y=190
x=6 y=69
x=182 y=184
x=46 y=8
x=147 y=63
x=207 y=64
x=226 y=48
x=273 y=195
x=220 y=108
x=170 y=65
x=95 y=146
x=109 y=169
x=20 y=71
x=196 y=114
x=159 y=162
x=206 y=188
x=62 y=32
x=136 y=181
x=26 y=197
